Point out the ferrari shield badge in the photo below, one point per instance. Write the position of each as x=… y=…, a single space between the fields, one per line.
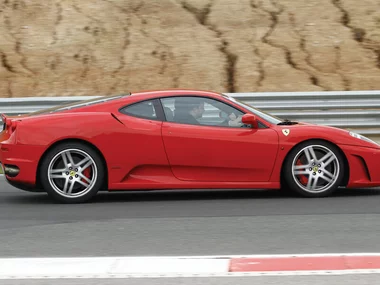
x=286 y=132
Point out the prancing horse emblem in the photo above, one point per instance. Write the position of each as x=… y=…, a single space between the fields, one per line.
x=286 y=132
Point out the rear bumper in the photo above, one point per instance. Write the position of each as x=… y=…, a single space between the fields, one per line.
x=19 y=163
x=364 y=166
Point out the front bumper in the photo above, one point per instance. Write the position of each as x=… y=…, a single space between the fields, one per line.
x=364 y=164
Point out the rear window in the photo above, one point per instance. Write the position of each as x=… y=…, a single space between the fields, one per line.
x=78 y=104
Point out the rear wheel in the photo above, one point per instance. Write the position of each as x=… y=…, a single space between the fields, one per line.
x=72 y=173
x=314 y=169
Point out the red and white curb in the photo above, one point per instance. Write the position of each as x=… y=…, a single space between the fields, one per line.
x=190 y=266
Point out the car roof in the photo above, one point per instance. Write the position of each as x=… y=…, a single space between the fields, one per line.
x=176 y=92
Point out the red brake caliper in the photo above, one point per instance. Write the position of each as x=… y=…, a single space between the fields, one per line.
x=303 y=178
x=87 y=173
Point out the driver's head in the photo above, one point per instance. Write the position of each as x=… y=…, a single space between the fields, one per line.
x=198 y=109
x=190 y=105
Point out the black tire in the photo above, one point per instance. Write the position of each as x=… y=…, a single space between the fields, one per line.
x=77 y=149
x=317 y=173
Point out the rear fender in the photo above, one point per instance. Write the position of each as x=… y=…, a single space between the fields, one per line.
x=47 y=130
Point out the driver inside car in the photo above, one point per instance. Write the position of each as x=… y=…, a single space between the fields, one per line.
x=235 y=121
x=232 y=120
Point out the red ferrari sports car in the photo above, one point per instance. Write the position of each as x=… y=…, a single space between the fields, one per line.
x=178 y=139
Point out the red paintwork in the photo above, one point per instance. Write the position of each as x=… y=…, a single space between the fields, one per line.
x=147 y=154
x=304 y=263
x=220 y=154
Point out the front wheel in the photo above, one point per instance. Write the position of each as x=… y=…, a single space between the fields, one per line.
x=314 y=169
x=72 y=173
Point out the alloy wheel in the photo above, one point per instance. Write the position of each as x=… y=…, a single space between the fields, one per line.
x=72 y=173
x=315 y=168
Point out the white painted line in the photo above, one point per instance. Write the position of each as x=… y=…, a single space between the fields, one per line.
x=106 y=267
x=164 y=265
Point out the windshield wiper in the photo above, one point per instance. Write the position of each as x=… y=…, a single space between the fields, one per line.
x=287 y=122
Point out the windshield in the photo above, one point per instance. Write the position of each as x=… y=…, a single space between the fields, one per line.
x=78 y=104
x=267 y=117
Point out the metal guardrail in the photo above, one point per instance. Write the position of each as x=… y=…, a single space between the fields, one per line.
x=354 y=110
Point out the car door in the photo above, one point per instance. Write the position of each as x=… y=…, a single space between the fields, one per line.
x=215 y=147
x=141 y=152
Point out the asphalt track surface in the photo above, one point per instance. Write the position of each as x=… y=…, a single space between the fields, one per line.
x=168 y=223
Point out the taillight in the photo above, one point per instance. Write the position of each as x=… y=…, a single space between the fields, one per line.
x=13 y=125
x=10 y=125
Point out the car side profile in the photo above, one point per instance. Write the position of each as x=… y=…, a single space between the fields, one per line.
x=178 y=139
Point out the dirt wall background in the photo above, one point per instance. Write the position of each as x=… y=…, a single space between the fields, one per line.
x=99 y=47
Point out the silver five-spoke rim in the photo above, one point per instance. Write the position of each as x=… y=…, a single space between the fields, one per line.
x=72 y=173
x=315 y=168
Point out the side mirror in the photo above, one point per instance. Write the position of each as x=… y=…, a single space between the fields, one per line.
x=250 y=119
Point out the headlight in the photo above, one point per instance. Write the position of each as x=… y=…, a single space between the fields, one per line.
x=355 y=135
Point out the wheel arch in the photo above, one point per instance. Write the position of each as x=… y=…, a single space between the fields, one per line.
x=345 y=160
x=72 y=140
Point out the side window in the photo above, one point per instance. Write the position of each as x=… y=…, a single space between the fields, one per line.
x=143 y=110
x=201 y=111
x=168 y=106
